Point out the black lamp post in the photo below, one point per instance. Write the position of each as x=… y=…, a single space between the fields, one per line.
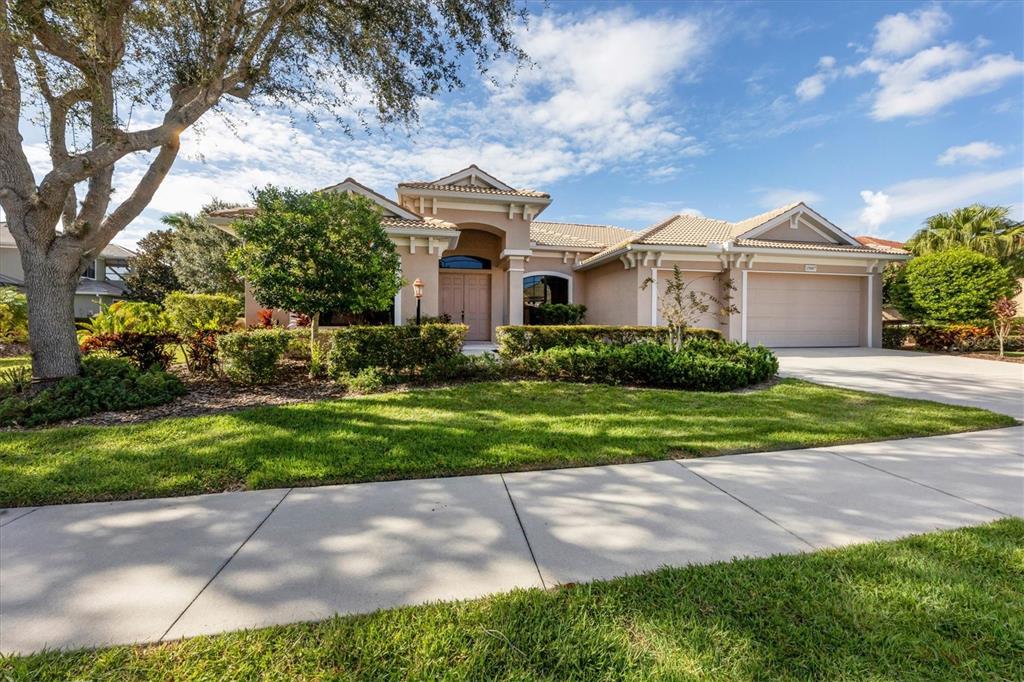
x=417 y=287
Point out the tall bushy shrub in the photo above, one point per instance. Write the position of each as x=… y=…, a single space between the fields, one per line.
x=200 y=319
x=516 y=341
x=398 y=350
x=251 y=357
x=13 y=316
x=958 y=285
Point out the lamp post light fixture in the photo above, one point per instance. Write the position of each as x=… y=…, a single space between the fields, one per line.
x=417 y=288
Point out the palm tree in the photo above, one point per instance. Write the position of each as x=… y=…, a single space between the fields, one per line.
x=985 y=229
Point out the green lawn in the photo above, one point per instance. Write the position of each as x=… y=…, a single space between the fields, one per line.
x=15 y=361
x=465 y=429
x=942 y=606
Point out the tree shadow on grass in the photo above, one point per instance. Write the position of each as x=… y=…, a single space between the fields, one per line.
x=473 y=428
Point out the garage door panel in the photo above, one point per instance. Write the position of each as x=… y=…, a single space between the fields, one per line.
x=803 y=310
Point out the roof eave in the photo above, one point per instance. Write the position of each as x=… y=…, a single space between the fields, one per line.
x=496 y=198
x=882 y=255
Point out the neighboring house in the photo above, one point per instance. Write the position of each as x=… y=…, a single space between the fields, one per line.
x=483 y=256
x=100 y=283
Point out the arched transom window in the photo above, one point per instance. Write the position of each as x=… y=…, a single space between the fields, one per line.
x=538 y=289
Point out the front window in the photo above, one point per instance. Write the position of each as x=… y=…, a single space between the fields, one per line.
x=465 y=263
x=538 y=289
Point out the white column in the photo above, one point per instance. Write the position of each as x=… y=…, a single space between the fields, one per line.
x=516 y=266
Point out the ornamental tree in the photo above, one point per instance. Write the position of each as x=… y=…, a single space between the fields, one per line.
x=683 y=304
x=317 y=253
x=87 y=70
x=1004 y=315
x=200 y=253
x=955 y=286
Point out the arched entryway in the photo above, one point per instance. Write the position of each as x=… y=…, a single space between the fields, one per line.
x=466 y=286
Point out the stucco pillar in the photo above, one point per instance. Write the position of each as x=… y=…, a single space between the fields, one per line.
x=734 y=330
x=516 y=266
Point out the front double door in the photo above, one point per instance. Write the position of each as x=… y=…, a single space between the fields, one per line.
x=466 y=298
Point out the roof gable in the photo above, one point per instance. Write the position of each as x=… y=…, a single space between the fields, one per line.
x=799 y=217
x=390 y=208
x=473 y=176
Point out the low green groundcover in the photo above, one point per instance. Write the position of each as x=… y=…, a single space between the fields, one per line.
x=941 y=606
x=462 y=429
x=106 y=383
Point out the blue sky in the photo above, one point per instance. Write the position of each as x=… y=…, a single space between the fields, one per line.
x=876 y=114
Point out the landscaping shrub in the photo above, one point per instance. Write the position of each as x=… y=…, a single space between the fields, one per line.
x=13 y=316
x=128 y=316
x=951 y=337
x=195 y=312
x=464 y=368
x=701 y=364
x=251 y=357
x=145 y=349
x=557 y=313
x=516 y=341
x=200 y=319
x=895 y=335
x=14 y=380
x=366 y=380
x=954 y=286
x=397 y=350
x=106 y=383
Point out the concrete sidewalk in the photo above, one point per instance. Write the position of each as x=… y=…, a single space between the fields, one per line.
x=141 y=571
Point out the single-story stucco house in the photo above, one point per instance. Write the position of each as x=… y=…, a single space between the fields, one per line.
x=484 y=257
x=99 y=285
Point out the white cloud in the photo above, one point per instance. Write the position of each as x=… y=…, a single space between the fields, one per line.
x=927 y=196
x=936 y=77
x=813 y=86
x=900 y=34
x=648 y=213
x=773 y=197
x=877 y=211
x=973 y=152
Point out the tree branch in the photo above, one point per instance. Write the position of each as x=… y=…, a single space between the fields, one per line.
x=140 y=197
x=16 y=179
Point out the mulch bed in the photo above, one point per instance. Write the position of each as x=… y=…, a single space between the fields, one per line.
x=10 y=350
x=208 y=395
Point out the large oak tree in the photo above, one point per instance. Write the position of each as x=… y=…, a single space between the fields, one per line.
x=83 y=67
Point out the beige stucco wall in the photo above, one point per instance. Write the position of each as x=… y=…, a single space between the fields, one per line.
x=612 y=294
x=801 y=234
x=10 y=263
x=515 y=230
x=422 y=265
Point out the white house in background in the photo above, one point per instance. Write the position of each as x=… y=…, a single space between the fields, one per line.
x=101 y=283
x=485 y=258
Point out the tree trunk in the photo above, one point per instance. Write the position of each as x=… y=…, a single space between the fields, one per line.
x=51 y=318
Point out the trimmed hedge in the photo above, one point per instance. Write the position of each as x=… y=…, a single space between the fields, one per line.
x=397 y=350
x=251 y=357
x=701 y=365
x=517 y=341
x=556 y=314
x=105 y=383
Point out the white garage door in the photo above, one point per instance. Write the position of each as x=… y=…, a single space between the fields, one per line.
x=804 y=310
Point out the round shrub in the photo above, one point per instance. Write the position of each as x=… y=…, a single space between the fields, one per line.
x=251 y=357
x=13 y=316
x=958 y=285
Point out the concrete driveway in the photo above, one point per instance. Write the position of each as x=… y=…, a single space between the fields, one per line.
x=996 y=386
